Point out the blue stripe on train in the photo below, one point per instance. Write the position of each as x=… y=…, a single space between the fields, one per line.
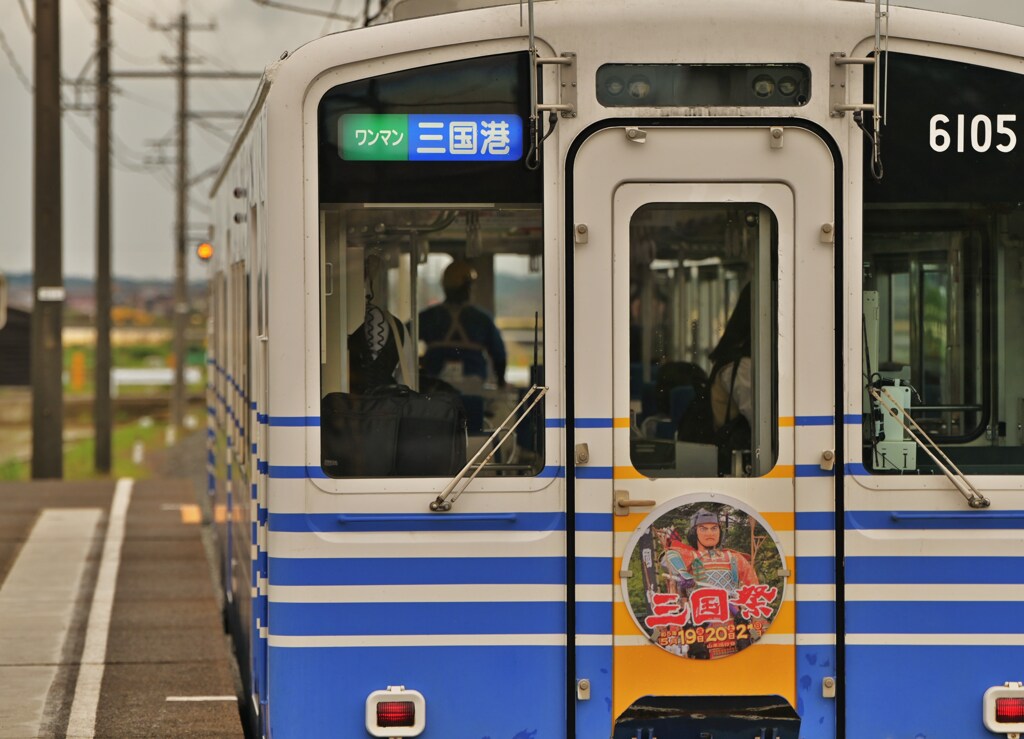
x=814 y=420
x=816 y=617
x=315 y=472
x=927 y=691
x=815 y=521
x=966 y=519
x=593 y=570
x=471 y=692
x=934 y=617
x=366 y=619
x=593 y=522
x=293 y=421
x=408 y=571
x=816 y=570
x=297 y=421
x=512 y=521
x=593 y=617
x=935 y=570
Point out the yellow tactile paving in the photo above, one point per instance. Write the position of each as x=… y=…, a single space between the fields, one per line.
x=190 y=513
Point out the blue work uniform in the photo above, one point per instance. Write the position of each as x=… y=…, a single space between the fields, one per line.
x=461 y=333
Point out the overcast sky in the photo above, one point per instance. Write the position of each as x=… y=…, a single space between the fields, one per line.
x=247 y=38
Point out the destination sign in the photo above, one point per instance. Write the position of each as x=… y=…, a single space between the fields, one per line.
x=430 y=138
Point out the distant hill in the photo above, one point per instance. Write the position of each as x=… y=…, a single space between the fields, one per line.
x=81 y=291
x=86 y=283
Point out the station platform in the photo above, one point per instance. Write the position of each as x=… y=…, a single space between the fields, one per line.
x=111 y=622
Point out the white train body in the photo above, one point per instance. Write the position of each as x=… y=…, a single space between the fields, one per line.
x=860 y=585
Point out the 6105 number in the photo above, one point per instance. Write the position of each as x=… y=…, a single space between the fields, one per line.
x=981 y=132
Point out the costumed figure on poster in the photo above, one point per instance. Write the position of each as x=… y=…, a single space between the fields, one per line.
x=702 y=599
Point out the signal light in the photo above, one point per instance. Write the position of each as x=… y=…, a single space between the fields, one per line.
x=204 y=251
x=396 y=712
x=1003 y=709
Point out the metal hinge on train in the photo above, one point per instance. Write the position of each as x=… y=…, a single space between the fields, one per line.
x=567 y=85
x=839 y=106
x=566 y=76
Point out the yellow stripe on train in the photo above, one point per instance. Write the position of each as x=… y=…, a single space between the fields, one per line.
x=777 y=520
x=628 y=472
x=761 y=669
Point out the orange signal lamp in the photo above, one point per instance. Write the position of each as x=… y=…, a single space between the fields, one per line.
x=204 y=251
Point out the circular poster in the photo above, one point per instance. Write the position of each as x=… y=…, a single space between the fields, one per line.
x=703 y=576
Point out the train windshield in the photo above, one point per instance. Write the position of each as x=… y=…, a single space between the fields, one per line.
x=432 y=310
x=944 y=271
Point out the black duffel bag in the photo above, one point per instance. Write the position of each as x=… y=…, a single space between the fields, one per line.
x=392 y=431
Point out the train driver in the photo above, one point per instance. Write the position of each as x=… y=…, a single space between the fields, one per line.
x=460 y=335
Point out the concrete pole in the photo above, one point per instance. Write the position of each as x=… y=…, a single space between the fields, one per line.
x=102 y=412
x=180 y=275
x=48 y=273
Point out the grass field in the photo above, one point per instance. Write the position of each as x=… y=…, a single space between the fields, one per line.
x=79 y=448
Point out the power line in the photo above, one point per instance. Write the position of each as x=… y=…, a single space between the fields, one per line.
x=121 y=7
x=211 y=129
x=81 y=135
x=305 y=11
x=327 y=22
x=122 y=152
x=88 y=8
x=135 y=97
x=27 y=16
x=18 y=71
x=128 y=57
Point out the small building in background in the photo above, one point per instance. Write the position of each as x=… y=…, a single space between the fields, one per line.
x=15 y=348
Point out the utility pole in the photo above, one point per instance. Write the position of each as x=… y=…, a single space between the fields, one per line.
x=102 y=412
x=182 y=75
x=48 y=273
x=180 y=265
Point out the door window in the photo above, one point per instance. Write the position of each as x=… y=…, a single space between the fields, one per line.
x=702 y=339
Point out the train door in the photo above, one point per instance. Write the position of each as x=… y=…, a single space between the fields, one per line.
x=703 y=491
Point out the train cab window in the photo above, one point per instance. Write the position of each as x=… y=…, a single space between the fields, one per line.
x=431 y=272
x=703 y=378
x=943 y=273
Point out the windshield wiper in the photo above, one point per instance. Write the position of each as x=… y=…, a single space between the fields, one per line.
x=888 y=402
x=449 y=495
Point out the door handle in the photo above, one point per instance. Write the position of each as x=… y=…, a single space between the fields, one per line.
x=623 y=503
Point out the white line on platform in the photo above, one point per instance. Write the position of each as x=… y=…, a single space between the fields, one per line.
x=200 y=698
x=90 y=674
x=37 y=608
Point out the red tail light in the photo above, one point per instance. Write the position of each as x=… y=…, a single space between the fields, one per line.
x=1010 y=710
x=1003 y=709
x=396 y=713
